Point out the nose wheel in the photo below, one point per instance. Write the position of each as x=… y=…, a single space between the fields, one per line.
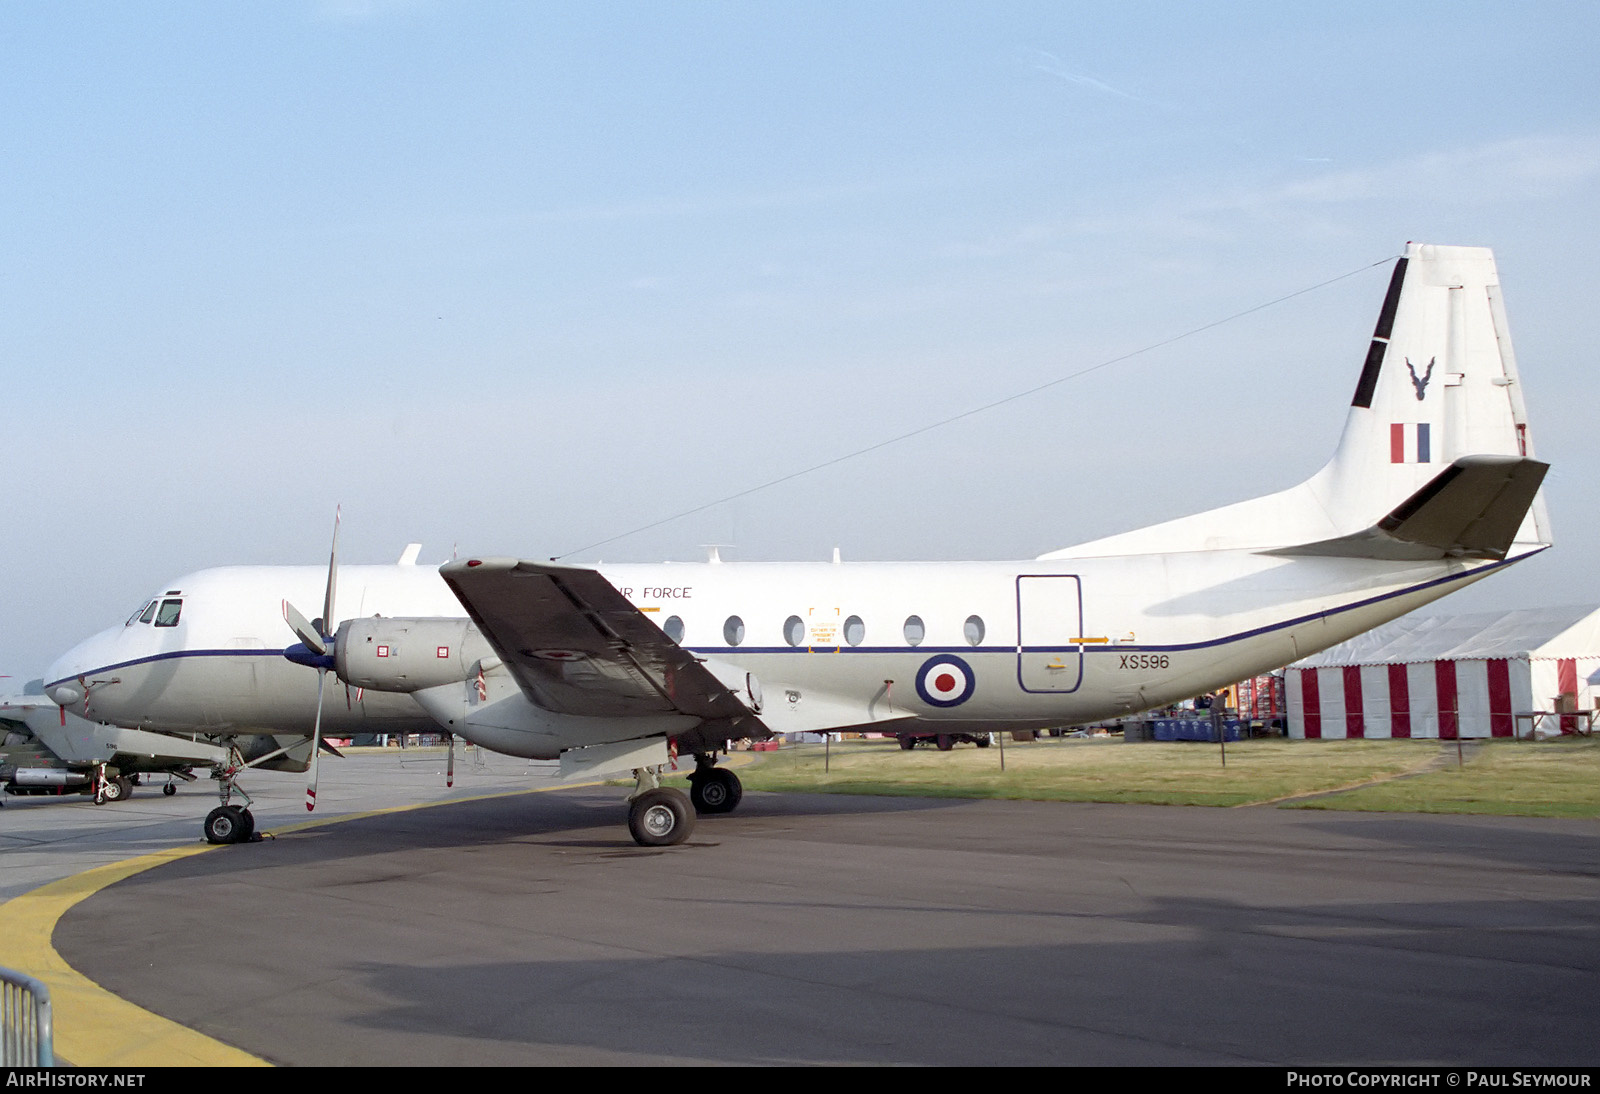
x=229 y=824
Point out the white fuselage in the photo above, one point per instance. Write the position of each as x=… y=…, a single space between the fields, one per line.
x=1002 y=645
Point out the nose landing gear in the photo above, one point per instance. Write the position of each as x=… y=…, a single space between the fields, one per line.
x=230 y=824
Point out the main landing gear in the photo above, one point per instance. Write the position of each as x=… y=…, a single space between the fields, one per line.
x=660 y=816
x=114 y=788
x=713 y=789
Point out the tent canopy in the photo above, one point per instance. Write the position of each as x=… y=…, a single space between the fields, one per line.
x=1539 y=632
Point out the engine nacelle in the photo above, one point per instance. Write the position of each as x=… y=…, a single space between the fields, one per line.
x=745 y=686
x=407 y=655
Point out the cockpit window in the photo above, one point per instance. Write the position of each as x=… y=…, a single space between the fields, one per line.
x=168 y=615
x=149 y=612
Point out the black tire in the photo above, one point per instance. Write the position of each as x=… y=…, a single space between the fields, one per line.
x=660 y=818
x=982 y=740
x=248 y=821
x=224 y=824
x=113 y=791
x=127 y=787
x=945 y=742
x=908 y=743
x=169 y=790
x=715 y=791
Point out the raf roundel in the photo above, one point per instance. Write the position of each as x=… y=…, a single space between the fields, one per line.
x=945 y=681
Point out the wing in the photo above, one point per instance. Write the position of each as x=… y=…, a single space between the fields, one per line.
x=575 y=645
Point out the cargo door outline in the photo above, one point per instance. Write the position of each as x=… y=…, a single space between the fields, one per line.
x=1049 y=633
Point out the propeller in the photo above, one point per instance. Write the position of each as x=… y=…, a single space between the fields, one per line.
x=316 y=650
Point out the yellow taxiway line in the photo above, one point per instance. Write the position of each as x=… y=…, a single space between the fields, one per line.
x=93 y=1027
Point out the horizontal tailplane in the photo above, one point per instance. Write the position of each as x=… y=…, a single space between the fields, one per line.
x=1471 y=509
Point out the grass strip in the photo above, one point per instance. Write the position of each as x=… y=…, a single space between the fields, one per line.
x=1548 y=778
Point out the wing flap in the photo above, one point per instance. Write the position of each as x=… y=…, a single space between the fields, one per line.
x=575 y=645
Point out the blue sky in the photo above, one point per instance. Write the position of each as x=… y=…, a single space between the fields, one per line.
x=521 y=277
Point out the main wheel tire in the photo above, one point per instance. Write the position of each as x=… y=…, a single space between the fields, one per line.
x=127 y=787
x=945 y=742
x=169 y=790
x=983 y=741
x=908 y=743
x=248 y=822
x=660 y=818
x=224 y=823
x=715 y=791
x=114 y=790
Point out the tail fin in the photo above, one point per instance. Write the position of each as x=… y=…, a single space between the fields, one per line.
x=1439 y=384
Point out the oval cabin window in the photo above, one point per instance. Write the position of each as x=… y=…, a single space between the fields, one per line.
x=914 y=630
x=855 y=631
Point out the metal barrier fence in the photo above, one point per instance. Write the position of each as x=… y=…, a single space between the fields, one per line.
x=25 y=1033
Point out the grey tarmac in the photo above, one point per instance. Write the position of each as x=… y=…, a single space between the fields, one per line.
x=820 y=929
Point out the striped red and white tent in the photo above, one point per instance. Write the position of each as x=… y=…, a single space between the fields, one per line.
x=1451 y=676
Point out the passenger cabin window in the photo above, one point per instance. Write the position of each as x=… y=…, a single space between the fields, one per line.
x=674 y=628
x=733 y=630
x=973 y=629
x=794 y=630
x=855 y=631
x=142 y=614
x=167 y=615
x=914 y=630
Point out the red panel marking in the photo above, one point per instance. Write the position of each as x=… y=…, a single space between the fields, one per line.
x=1397 y=443
x=1499 y=697
x=1354 y=726
x=1399 y=702
x=1444 y=674
x=383 y=651
x=444 y=651
x=1311 y=703
x=1567 y=684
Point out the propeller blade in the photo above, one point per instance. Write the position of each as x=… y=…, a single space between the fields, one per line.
x=333 y=575
x=316 y=745
x=450 y=765
x=303 y=630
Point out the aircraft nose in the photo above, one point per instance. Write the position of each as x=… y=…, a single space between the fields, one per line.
x=65 y=695
x=62 y=681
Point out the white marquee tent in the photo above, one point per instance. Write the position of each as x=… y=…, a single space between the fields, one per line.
x=1494 y=674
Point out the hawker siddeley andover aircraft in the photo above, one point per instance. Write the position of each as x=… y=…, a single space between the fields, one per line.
x=615 y=668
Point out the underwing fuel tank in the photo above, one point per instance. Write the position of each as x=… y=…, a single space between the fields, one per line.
x=48 y=776
x=407 y=655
